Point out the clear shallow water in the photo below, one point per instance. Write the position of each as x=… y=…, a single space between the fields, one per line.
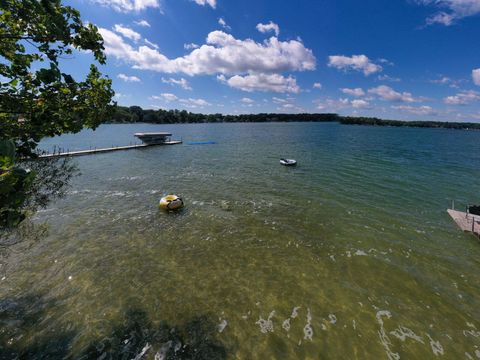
x=350 y=255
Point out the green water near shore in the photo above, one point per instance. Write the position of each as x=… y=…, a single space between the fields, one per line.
x=350 y=255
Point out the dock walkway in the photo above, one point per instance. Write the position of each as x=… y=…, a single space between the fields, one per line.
x=465 y=221
x=104 y=150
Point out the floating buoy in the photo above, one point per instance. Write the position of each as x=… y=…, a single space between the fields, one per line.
x=171 y=202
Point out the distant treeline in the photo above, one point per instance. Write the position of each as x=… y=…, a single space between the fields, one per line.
x=135 y=114
x=350 y=120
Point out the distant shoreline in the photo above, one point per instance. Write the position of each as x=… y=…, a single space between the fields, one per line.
x=135 y=114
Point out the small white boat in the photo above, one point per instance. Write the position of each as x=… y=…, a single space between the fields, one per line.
x=288 y=162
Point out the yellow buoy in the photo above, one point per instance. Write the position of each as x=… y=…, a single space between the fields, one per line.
x=171 y=202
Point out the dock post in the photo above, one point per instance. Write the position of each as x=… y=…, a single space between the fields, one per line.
x=453 y=204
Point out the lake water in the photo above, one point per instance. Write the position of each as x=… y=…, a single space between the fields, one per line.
x=350 y=255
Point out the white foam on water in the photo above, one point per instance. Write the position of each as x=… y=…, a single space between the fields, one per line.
x=332 y=257
x=360 y=253
x=473 y=333
x=333 y=319
x=40 y=211
x=286 y=323
x=437 y=348
x=308 y=330
x=468 y=356
x=266 y=325
x=477 y=353
x=223 y=324
x=384 y=339
x=143 y=352
x=354 y=325
x=127 y=178
x=162 y=353
x=403 y=333
x=295 y=312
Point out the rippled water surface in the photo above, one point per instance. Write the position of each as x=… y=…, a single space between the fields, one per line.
x=350 y=255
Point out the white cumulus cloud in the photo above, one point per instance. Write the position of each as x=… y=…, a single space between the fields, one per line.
x=360 y=104
x=476 y=76
x=388 y=94
x=317 y=85
x=416 y=110
x=271 y=26
x=223 y=23
x=222 y=54
x=332 y=105
x=212 y=3
x=290 y=108
x=151 y=44
x=451 y=11
x=127 y=32
x=190 y=102
x=262 y=82
x=462 y=98
x=444 y=80
x=190 y=46
x=129 y=5
x=246 y=100
x=193 y=103
x=356 y=62
x=143 y=23
x=286 y=100
x=353 y=92
x=335 y=105
x=128 y=78
x=165 y=96
x=388 y=78
x=182 y=83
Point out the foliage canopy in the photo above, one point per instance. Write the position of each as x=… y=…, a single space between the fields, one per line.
x=38 y=100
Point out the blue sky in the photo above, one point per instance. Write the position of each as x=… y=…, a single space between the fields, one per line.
x=398 y=59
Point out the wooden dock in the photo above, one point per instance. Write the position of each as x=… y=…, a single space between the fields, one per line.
x=465 y=221
x=105 y=150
